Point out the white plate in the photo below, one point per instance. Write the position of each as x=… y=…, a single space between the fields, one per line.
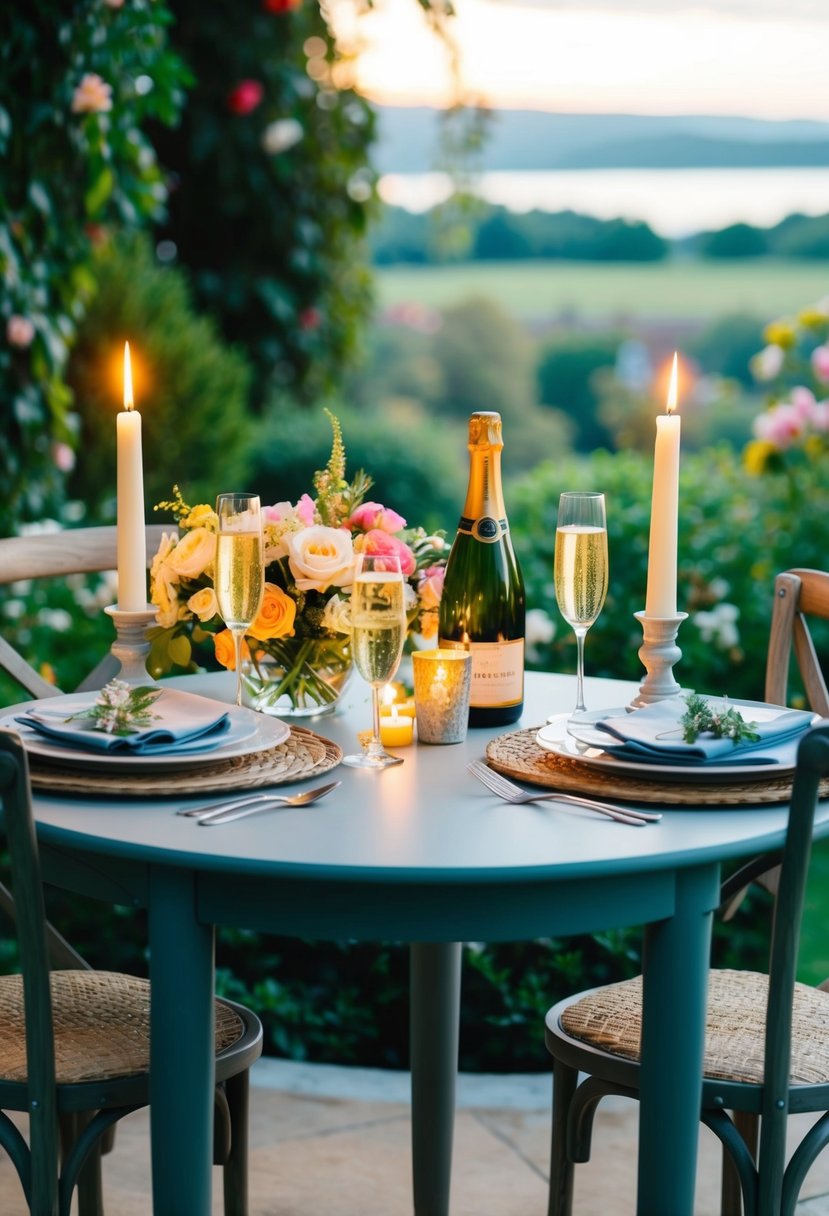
x=249 y=733
x=556 y=739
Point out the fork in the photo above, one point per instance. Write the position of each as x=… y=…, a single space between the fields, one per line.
x=224 y=812
x=511 y=792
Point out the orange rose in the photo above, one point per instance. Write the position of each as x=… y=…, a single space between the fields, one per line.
x=276 y=616
x=225 y=654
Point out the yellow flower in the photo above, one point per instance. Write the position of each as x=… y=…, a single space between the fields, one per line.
x=756 y=456
x=779 y=333
x=225 y=653
x=812 y=318
x=204 y=604
x=276 y=616
x=202 y=516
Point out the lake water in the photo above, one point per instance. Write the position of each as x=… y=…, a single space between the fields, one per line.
x=675 y=202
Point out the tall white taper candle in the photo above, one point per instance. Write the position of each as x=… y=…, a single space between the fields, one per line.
x=132 y=544
x=660 y=600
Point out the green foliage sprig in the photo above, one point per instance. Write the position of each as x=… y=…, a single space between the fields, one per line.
x=121 y=709
x=700 y=719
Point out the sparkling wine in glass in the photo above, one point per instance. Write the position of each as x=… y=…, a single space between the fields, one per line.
x=378 y=631
x=581 y=570
x=240 y=574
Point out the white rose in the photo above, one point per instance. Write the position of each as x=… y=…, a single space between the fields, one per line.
x=321 y=557
x=337 y=615
x=193 y=553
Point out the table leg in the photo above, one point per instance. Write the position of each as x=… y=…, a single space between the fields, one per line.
x=182 y=1054
x=435 y=995
x=676 y=961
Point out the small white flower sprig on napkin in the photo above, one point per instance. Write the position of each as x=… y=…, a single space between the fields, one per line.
x=700 y=719
x=120 y=709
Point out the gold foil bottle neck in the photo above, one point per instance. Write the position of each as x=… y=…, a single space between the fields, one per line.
x=485 y=429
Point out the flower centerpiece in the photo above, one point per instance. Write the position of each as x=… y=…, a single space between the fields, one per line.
x=296 y=654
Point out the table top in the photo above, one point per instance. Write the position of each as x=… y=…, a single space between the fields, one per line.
x=424 y=821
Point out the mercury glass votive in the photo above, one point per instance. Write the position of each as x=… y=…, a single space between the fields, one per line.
x=442 y=683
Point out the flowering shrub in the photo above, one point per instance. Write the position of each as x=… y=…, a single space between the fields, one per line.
x=309 y=550
x=81 y=83
x=795 y=365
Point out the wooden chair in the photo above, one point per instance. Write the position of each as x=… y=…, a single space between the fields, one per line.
x=52 y=554
x=798 y=594
x=83 y=1132
x=76 y=1042
x=781 y=1063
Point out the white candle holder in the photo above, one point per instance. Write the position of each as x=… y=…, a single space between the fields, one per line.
x=658 y=652
x=131 y=648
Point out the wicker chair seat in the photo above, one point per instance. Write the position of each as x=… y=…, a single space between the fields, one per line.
x=611 y=1019
x=101 y=1025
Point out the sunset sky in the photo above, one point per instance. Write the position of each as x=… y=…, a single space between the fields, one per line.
x=762 y=58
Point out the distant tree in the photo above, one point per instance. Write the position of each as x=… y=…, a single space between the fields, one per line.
x=566 y=380
x=735 y=241
x=629 y=241
x=486 y=359
x=501 y=236
x=802 y=237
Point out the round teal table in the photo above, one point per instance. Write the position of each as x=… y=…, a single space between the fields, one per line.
x=420 y=853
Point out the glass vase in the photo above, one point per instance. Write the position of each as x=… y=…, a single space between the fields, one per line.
x=297 y=677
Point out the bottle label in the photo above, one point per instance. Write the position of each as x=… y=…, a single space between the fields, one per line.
x=486 y=529
x=497 y=672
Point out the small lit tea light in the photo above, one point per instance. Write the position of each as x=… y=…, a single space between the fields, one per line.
x=396 y=729
x=442 y=682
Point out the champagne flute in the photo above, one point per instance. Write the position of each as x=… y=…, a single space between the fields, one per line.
x=240 y=575
x=378 y=630
x=581 y=570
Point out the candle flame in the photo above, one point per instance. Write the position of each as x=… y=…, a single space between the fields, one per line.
x=128 y=401
x=672 y=387
x=387 y=694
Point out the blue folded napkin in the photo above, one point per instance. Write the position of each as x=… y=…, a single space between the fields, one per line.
x=182 y=722
x=654 y=734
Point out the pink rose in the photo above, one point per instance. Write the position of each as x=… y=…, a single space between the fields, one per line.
x=781 y=426
x=305 y=510
x=20 y=331
x=384 y=544
x=277 y=512
x=375 y=515
x=246 y=97
x=803 y=400
x=92 y=96
x=63 y=457
x=820 y=363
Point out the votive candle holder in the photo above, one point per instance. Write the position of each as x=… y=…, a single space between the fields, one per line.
x=442 y=684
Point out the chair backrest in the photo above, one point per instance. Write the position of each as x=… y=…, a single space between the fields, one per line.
x=50 y=554
x=812 y=765
x=30 y=919
x=798 y=594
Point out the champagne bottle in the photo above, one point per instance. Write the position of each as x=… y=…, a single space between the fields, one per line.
x=482 y=606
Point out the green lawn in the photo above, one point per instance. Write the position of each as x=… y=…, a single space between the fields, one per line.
x=766 y=287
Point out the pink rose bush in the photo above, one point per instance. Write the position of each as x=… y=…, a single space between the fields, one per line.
x=310 y=548
x=795 y=365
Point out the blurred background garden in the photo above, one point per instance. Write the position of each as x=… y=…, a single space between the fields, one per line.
x=221 y=187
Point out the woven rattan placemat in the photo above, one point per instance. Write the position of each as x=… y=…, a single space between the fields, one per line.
x=303 y=754
x=518 y=755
